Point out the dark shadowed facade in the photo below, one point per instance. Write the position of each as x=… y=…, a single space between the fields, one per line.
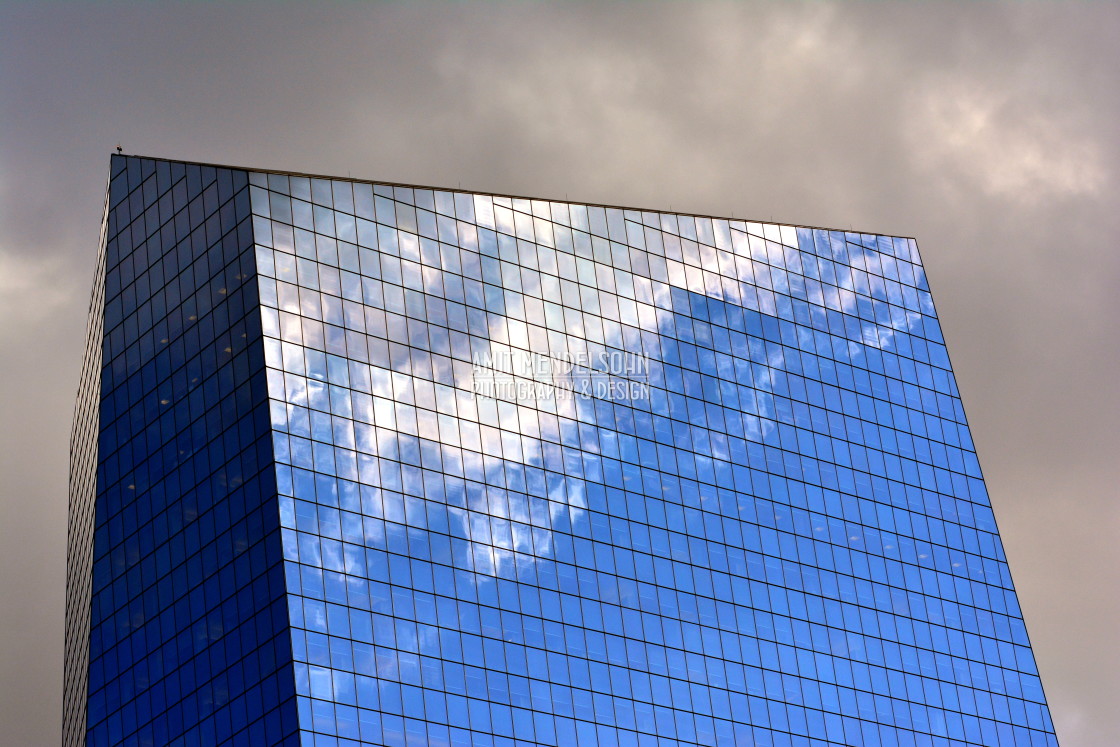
x=357 y=463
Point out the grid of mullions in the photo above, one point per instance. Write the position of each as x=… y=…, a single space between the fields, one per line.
x=906 y=399
x=847 y=381
x=186 y=611
x=820 y=509
x=822 y=417
x=82 y=501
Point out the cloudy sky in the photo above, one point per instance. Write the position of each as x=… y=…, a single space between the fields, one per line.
x=987 y=131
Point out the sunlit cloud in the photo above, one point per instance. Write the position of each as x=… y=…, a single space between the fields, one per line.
x=989 y=140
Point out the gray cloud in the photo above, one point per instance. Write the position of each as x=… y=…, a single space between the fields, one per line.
x=986 y=131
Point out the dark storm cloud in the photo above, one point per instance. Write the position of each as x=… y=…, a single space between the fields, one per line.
x=988 y=132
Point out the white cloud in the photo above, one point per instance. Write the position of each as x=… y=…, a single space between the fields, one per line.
x=32 y=290
x=1008 y=148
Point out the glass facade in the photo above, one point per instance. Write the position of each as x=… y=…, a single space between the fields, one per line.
x=391 y=465
x=176 y=589
x=83 y=491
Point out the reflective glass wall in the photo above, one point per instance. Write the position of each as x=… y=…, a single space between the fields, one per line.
x=82 y=500
x=177 y=630
x=557 y=474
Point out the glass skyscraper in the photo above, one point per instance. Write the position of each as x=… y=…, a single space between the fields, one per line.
x=368 y=464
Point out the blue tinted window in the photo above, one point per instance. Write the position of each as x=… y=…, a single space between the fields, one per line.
x=485 y=470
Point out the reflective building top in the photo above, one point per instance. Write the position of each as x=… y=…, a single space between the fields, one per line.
x=359 y=463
